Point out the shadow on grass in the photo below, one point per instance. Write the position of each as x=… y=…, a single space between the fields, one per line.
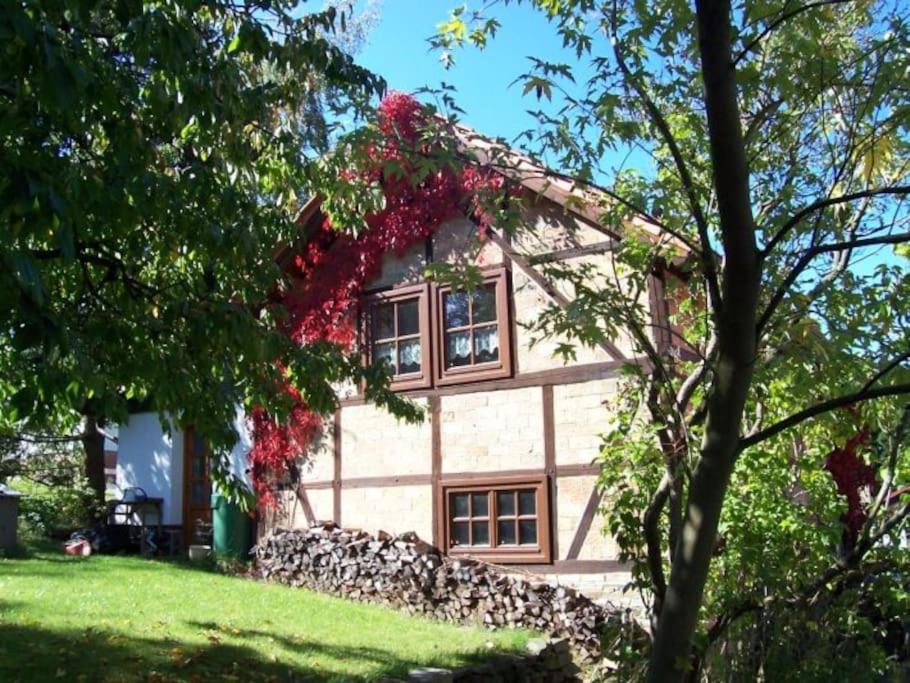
x=29 y=652
x=387 y=662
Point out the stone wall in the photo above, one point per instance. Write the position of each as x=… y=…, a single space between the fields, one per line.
x=492 y=432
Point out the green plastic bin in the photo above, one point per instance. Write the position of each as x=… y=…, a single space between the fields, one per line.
x=230 y=529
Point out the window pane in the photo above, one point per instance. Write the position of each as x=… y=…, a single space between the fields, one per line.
x=409 y=356
x=460 y=533
x=506 y=532
x=197 y=492
x=481 y=531
x=197 y=470
x=458 y=349
x=460 y=505
x=456 y=307
x=384 y=321
x=486 y=344
x=484 y=305
x=479 y=505
x=527 y=532
x=385 y=353
x=527 y=503
x=408 y=318
x=198 y=443
x=505 y=502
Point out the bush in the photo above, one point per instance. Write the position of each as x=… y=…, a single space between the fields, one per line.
x=54 y=510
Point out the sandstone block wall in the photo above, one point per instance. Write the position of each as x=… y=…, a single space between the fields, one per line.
x=492 y=431
x=392 y=509
x=377 y=444
x=581 y=414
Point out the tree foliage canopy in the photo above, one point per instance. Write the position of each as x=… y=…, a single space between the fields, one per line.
x=152 y=155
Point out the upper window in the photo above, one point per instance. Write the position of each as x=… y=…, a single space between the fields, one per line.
x=506 y=520
x=398 y=332
x=468 y=340
x=473 y=331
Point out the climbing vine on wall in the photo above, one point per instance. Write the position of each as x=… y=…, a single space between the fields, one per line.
x=334 y=265
x=854 y=478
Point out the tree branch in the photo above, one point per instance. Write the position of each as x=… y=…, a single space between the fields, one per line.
x=705 y=252
x=825 y=203
x=807 y=258
x=864 y=394
x=780 y=20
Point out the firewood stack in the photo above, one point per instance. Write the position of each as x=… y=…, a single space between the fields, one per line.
x=407 y=573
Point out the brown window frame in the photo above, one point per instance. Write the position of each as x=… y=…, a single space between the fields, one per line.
x=421 y=293
x=503 y=554
x=498 y=369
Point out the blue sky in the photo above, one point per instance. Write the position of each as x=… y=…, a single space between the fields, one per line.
x=397 y=49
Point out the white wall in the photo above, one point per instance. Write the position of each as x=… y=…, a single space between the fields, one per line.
x=151 y=459
x=241 y=448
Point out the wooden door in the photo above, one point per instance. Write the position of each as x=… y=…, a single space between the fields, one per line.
x=197 y=487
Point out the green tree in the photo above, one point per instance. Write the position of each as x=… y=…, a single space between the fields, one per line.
x=152 y=155
x=769 y=143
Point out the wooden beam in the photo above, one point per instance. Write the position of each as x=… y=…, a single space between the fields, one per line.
x=537 y=278
x=575 y=567
x=584 y=524
x=660 y=319
x=435 y=463
x=427 y=479
x=549 y=456
x=336 y=475
x=579 y=470
x=573 y=252
x=305 y=504
x=573 y=374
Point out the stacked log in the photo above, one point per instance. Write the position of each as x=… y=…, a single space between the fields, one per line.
x=405 y=572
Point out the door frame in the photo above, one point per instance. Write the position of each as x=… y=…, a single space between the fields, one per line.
x=188 y=438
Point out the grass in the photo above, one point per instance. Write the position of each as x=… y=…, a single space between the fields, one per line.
x=107 y=618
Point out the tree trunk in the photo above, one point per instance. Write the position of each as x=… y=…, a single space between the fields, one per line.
x=736 y=317
x=93 y=444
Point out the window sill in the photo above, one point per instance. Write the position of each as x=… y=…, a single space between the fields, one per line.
x=502 y=555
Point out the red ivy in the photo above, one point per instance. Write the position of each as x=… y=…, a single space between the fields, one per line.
x=333 y=268
x=852 y=476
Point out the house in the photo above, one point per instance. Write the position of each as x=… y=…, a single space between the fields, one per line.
x=504 y=467
x=173 y=465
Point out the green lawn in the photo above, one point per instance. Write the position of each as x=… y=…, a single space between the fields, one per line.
x=129 y=619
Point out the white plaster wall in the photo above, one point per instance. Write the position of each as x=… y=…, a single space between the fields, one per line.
x=456 y=240
x=152 y=459
x=241 y=449
x=582 y=413
x=319 y=465
x=407 y=268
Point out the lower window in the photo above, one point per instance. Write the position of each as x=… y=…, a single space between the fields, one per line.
x=503 y=520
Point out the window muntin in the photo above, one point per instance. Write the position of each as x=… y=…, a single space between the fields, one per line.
x=472 y=331
x=396 y=336
x=470 y=327
x=397 y=327
x=506 y=521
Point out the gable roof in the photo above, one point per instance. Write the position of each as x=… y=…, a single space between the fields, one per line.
x=584 y=200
